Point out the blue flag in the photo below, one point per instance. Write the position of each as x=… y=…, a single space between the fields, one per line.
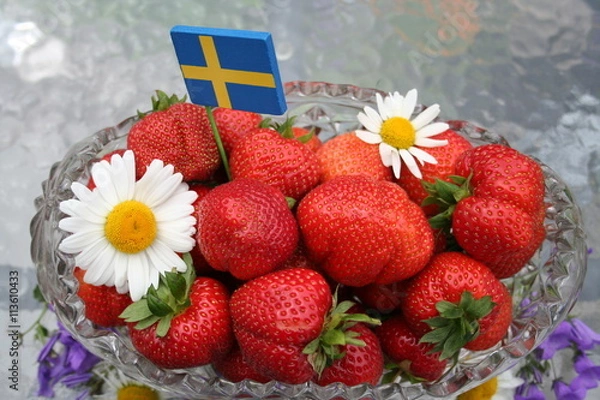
x=230 y=68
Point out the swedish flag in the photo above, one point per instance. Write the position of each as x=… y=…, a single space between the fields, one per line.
x=230 y=68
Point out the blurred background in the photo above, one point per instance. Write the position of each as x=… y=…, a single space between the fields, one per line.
x=528 y=69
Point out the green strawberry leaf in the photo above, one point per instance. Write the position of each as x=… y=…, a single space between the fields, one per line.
x=147 y=322
x=306 y=137
x=457 y=324
x=177 y=285
x=164 y=324
x=157 y=305
x=333 y=337
x=136 y=311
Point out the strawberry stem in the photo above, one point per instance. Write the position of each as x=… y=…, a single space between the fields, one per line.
x=215 y=130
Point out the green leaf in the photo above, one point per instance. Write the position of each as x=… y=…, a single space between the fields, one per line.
x=158 y=306
x=177 y=285
x=136 y=311
x=312 y=347
x=37 y=294
x=147 y=322
x=291 y=202
x=333 y=337
x=437 y=322
x=449 y=310
x=306 y=137
x=164 y=324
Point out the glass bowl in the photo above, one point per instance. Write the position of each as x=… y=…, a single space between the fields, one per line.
x=544 y=291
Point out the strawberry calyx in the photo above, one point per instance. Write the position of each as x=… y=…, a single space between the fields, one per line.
x=161 y=304
x=336 y=333
x=285 y=129
x=446 y=195
x=400 y=370
x=457 y=324
x=161 y=102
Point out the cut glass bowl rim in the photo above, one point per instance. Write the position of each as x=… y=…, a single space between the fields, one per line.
x=552 y=279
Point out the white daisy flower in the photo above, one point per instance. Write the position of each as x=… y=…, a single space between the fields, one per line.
x=400 y=139
x=125 y=233
x=116 y=385
x=501 y=387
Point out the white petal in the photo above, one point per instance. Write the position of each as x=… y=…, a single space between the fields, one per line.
x=175 y=240
x=164 y=258
x=396 y=166
x=373 y=125
x=427 y=142
x=81 y=191
x=91 y=252
x=79 y=241
x=386 y=152
x=78 y=224
x=382 y=107
x=96 y=273
x=368 y=137
x=76 y=208
x=168 y=213
x=410 y=162
x=163 y=190
x=394 y=104
x=426 y=116
x=432 y=129
x=409 y=103
x=120 y=268
x=422 y=156
x=137 y=275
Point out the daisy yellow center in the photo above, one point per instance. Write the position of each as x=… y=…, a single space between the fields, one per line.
x=135 y=392
x=484 y=391
x=398 y=132
x=130 y=226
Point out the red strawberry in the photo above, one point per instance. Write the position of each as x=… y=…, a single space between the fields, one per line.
x=455 y=284
x=103 y=304
x=200 y=264
x=411 y=357
x=361 y=363
x=246 y=227
x=446 y=157
x=346 y=154
x=283 y=162
x=234 y=368
x=382 y=298
x=233 y=124
x=362 y=230
x=496 y=214
x=275 y=316
x=178 y=134
x=284 y=324
x=185 y=323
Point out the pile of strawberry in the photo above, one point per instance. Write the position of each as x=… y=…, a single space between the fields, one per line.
x=313 y=263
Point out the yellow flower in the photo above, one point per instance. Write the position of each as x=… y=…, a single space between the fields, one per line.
x=125 y=233
x=400 y=139
x=117 y=386
x=501 y=387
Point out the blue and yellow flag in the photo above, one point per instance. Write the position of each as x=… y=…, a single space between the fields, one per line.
x=230 y=68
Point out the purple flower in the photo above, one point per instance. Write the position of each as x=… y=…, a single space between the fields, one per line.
x=70 y=364
x=583 y=336
x=529 y=391
x=560 y=339
x=588 y=373
x=568 y=392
